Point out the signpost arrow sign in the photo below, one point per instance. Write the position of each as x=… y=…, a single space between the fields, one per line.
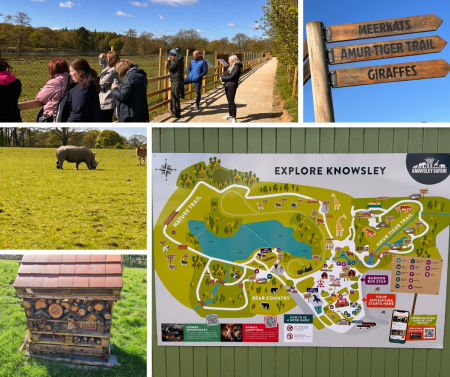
x=384 y=50
x=385 y=28
x=379 y=74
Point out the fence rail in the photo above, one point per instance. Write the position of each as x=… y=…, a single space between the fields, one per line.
x=165 y=87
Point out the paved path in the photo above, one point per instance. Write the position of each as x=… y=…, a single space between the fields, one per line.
x=254 y=100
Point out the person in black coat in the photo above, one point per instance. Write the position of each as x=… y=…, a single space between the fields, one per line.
x=230 y=79
x=10 y=89
x=131 y=94
x=176 y=70
x=80 y=102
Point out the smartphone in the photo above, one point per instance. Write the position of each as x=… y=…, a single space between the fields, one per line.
x=399 y=326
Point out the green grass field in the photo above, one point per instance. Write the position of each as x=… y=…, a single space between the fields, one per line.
x=42 y=207
x=128 y=333
x=33 y=74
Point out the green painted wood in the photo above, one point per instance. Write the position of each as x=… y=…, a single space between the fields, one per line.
x=240 y=140
x=392 y=362
x=225 y=140
x=181 y=136
x=386 y=140
x=282 y=360
x=341 y=140
x=323 y=361
x=298 y=140
x=371 y=140
x=203 y=361
x=187 y=362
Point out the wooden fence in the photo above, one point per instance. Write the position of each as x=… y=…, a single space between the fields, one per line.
x=251 y=60
x=270 y=361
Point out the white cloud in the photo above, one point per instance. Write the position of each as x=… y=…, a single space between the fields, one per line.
x=200 y=31
x=255 y=26
x=161 y=17
x=231 y=25
x=41 y=1
x=119 y=13
x=67 y=4
x=55 y=28
x=138 y=4
x=174 y=3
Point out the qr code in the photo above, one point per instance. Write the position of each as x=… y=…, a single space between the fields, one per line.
x=270 y=321
x=212 y=319
x=428 y=333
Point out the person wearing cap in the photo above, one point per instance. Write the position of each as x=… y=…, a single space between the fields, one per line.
x=198 y=68
x=176 y=70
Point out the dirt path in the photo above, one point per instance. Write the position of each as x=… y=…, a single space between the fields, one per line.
x=254 y=101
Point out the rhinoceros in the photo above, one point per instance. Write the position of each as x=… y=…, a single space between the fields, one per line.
x=76 y=155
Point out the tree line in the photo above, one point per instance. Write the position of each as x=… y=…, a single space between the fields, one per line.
x=55 y=137
x=17 y=34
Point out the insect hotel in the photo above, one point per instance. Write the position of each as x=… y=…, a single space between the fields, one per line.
x=68 y=302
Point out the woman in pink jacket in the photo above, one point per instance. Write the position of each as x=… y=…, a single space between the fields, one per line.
x=52 y=92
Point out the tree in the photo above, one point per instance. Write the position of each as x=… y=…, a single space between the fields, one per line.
x=137 y=140
x=5 y=29
x=22 y=29
x=240 y=39
x=144 y=42
x=109 y=139
x=84 y=38
x=65 y=133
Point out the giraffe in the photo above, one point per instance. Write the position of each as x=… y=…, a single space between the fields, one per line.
x=339 y=228
x=336 y=203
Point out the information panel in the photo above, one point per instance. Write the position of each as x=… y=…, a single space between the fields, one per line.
x=301 y=250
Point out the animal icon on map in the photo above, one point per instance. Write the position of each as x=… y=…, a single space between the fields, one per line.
x=273 y=290
x=166 y=248
x=317 y=299
x=260 y=206
x=265 y=305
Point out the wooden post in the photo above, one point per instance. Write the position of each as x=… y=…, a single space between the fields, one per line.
x=414 y=304
x=112 y=48
x=289 y=73
x=204 y=80
x=215 y=69
x=323 y=100
x=295 y=83
x=159 y=71
x=185 y=75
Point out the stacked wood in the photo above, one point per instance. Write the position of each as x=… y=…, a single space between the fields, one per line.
x=29 y=312
x=39 y=304
x=48 y=327
x=70 y=300
x=99 y=341
x=50 y=302
x=55 y=310
x=58 y=301
x=66 y=311
x=99 y=306
x=27 y=304
x=81 y=312
x=65 y=304
x=105 y=314
x=89 y=308
x=42 y=326
x=74 y=307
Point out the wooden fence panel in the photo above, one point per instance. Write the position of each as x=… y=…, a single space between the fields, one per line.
x=300 y=361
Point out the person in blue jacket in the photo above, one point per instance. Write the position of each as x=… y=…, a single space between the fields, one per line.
x=198 y=68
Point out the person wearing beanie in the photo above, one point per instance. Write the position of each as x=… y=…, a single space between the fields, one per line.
x=176 y=70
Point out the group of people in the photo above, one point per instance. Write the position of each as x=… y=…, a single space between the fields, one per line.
x=197 y=69
x=76 y=93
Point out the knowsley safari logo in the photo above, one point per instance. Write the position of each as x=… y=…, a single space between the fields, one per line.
x=428 y=168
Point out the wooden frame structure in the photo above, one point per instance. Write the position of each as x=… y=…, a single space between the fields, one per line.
x=68 y=302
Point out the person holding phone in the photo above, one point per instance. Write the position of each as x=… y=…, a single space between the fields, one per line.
x=230 y=80
x=176 y=69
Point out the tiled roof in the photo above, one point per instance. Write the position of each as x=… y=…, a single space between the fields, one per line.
x=69 y=271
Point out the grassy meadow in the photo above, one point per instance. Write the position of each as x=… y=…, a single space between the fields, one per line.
x=33 y=74
x=42 y=207
x=128 y=333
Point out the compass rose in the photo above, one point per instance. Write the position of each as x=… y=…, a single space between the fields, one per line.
x=166 y=169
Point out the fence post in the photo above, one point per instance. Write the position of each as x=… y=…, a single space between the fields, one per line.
x=204 y=79
x=159 y=71
x=295 y=82
x=323 y=100
x=112 y=48
x=215 y=69
x=185 y=75
x=166 y=70
x=165 y=81
x=289 y=73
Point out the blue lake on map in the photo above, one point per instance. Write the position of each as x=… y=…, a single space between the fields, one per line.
x=247 y=239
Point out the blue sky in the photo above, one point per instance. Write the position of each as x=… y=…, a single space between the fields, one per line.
x=214 y=19
x=413 y=101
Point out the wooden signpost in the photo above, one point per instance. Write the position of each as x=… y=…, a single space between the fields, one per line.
x=380 y=74
x=316 y=67
x=385 y=28
x=384 y=50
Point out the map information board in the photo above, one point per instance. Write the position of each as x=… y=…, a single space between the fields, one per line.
x=300 y=249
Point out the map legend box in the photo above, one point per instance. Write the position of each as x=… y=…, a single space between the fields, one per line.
x=416 y=275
